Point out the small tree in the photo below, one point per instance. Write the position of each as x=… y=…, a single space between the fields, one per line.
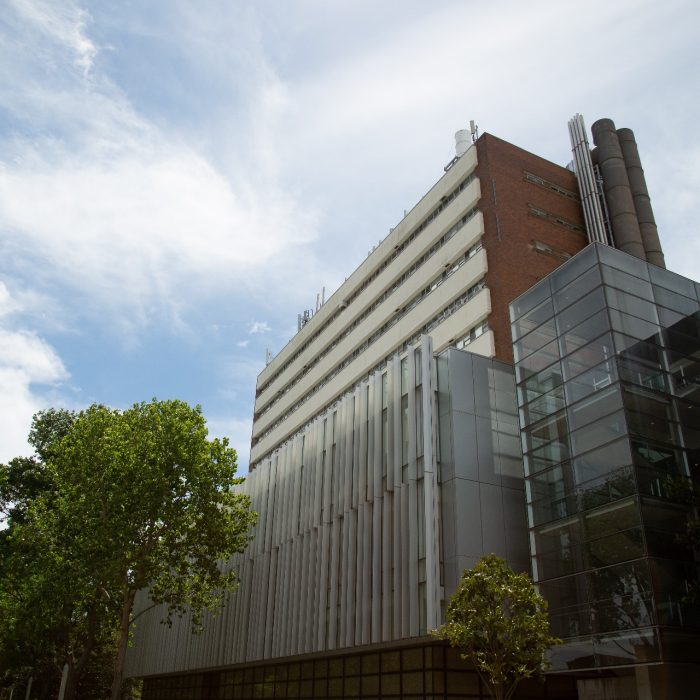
x=499 y=622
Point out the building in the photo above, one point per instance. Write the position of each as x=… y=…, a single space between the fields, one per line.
x=607 y=351
x=385 y=457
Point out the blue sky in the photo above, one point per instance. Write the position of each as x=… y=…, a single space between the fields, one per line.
x=179 y=179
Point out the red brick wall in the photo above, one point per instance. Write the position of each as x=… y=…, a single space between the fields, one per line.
x=511 y=229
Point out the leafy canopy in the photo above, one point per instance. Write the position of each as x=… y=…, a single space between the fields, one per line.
x=113 y=503
x=499 y=622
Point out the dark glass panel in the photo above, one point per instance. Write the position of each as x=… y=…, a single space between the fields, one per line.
x=412 y=682
x=621 y=546
x=527 y=301
x=620 y=261
x=551 y=428
x=335 y=688
x=608 y=488
x=307 y=669
x=602 y=461
x=635 y=647
x=591 y=328
x=537 y=362
x=688 y=413
x=642 y=374
x=352 y=686
x=593 y=380
x=547 y=455
x=660 y=457
x=573 y=269
x=671 y=281
x=598 y=433
x=632 y=305
x=370 y=663
x=576 y=653
x=412 y=658
x=532 y=319
x=685 y=351
x=542 y=406
x=633 y=326
x=581 y=310
x=391 y=683
x=352 y=666
x=594 y=407
x=588 y=356
x=610 y=519
x=571 y=622
x=679 y=646
x=667 y=317
x=460 y=682
x=335 y=667
x=321 y=688
x=577 y=289
x=321 y=668
x=391 y=661
x=540 y=383
x=625 y=282
x=652 y=428
x=370 y=685
x=534 y=340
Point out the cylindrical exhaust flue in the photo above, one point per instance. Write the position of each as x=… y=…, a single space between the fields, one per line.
x=640 y=196
x=623 y=215
x=462 y=142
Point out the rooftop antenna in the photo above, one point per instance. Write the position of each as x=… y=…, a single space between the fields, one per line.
x=268 y=356
x=474 y=130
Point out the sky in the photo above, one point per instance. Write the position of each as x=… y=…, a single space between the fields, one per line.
x=178 y=180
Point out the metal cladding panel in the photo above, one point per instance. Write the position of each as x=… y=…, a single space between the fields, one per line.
x=345 y=520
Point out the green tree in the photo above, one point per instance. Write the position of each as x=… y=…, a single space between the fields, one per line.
x=499 y=622
x=140 y=499
x=32 y=602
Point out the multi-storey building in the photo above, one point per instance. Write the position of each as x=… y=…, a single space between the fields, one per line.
x=386 y=458
x=499 y=220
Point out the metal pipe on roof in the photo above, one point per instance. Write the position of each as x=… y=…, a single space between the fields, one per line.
x=640 y=196
x=618 y=194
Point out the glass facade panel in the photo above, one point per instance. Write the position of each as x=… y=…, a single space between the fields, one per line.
x=534 y=340
x=578 y=336
x=532 y=319
x=600 y=350
x=624 y=282
x=577 y=289
x=611 y=436
x=573 y=269
x=673 y=282
x=632 y=305
x=581 y=310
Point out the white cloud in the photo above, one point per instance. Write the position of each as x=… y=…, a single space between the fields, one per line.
x=258 y=327
x=242 y=343
x=146 y=230
x=29 y=366
x=63 y=22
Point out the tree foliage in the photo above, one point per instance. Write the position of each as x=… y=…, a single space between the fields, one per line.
x=499 y=622
x=130 y=500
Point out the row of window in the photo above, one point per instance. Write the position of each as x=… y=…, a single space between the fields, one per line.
x=444 y=202
x=466 y=296
x=400 y=312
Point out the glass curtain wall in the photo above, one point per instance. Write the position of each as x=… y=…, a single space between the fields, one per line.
x=607 y=354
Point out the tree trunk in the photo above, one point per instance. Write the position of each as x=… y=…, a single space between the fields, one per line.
x=125 y=623
x=70 y=689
